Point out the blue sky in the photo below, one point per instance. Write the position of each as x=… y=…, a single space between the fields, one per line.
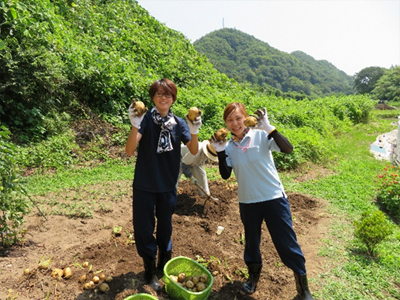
x=350 y=34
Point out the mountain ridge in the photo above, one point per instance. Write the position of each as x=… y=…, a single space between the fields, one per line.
x=246 y=58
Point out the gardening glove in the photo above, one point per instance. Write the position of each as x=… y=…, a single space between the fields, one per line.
x=194 y=126
x=133 y=116
x=219 y=145
x=262 y=121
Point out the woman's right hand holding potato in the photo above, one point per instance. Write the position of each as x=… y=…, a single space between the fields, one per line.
x=136 y=113
x=219 y=145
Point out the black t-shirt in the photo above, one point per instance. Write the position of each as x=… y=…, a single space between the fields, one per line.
x=159 y=172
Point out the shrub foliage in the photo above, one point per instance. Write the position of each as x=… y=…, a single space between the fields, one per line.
x=372 y=228
x=389 y=189
x=13 y=199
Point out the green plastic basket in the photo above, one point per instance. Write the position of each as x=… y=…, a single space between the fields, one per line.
x=141 y=297
x=182 y=264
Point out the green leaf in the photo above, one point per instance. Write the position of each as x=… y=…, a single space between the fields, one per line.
x=13 y=13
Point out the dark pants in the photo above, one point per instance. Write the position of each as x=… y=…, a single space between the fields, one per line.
x=146 y=208
x=276 y=214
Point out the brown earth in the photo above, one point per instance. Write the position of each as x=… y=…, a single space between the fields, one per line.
x=384 y=106
x=72 y=241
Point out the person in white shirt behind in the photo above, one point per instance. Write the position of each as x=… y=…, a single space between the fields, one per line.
x=192 y=166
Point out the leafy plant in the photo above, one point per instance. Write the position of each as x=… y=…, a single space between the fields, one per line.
x=117 y=229
x=372 y=228
x=14 y=204
x=57 y=151
x=389 y=189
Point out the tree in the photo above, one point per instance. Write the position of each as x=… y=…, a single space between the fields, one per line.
x=366 y=79
x=388 y=86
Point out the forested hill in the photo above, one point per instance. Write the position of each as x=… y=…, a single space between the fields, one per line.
x=245 y=58
x=91 y=55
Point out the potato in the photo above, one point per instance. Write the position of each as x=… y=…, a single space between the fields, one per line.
x=196 y=279
x=139 y=106
x=102 y=276
x=174 y=278
x=104 y=287
x=181 y=277
x=67 y=273
x=87 y=286
x=189 y=284
x=200 y=286
x=96 y=279
x=27 y=271
x=203 y=277
x=56 y=273
x=194 y=112
x=221 y=134
x=83 y=278
x=109 y=278
x=250 y=121
x=85 y=264
x=44 y=265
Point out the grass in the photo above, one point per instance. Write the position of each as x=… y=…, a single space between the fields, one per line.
x=351 y=190
x=349 y=187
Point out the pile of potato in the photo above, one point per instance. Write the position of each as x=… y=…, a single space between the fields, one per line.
x=91 y=280
x=191 y=283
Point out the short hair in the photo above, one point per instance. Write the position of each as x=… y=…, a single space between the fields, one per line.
x=166 y=84
x=232 y=107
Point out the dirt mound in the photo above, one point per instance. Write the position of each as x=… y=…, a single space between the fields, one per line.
x=384 y=106
x=71 y=241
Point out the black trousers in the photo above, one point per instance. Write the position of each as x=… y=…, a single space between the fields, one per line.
x=147 y=207
x=278 y=218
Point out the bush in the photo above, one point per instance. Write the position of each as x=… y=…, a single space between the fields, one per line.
x=372 y=228
x=389 y=190
x=55 y=152
x=13 y=198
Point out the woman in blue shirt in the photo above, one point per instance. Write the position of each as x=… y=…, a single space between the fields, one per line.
x=261 y=194
x=159 y=134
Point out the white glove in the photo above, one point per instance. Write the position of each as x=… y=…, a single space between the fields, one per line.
x=218 y=145
x=262 y=121
x=194 y=126
x=135 y=119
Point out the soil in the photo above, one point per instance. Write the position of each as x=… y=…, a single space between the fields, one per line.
x=72 y=241
x=384 y=106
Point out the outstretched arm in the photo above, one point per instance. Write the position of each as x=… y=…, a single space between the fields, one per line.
x=282 y=142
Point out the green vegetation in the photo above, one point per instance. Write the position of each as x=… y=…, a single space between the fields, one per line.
x=372 y=228
x=366 y=79
x=68 y=71
x=387 y=87
x=389 y=189
x=380 y=83
x=14 y=203
x=348 y=183
x=351 y=190
x=247 y=59
x=64 y=60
